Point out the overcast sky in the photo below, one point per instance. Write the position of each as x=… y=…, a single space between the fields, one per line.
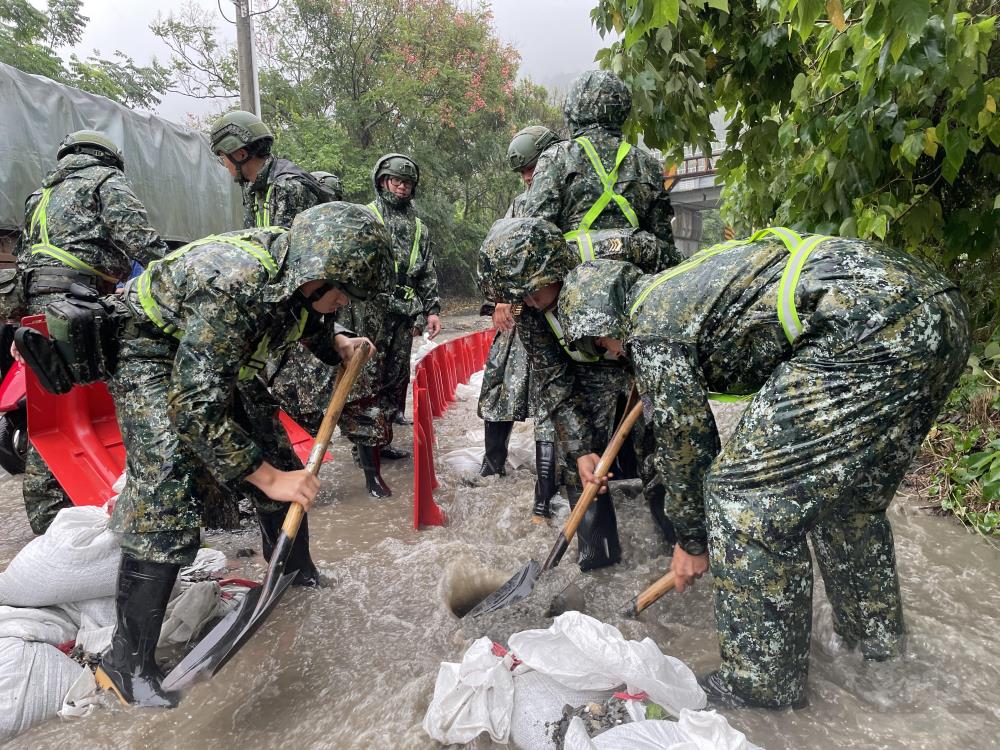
x=555 y=38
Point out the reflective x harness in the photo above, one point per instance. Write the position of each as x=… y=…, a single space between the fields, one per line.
x=575 y=354
x=39 y=220
x=581 y=235
x=799 y=248
x=403 y=281
x=153 y=310
x=262 y=213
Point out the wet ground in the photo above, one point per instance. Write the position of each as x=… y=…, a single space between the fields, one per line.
x=353 y=665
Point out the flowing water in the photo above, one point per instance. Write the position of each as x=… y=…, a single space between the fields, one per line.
x=353 y=665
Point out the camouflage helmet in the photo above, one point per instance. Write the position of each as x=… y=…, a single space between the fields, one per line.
x=527 y=145
x=91 y=142
x=331 y=182
x=594 y=300
x=342 y=244
x=598 y=97
x=521 y=256
x=238 y=129
x=397 y=165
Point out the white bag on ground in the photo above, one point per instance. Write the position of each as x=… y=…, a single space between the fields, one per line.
x=426 y=345
x=34 y=677
x=188 y=613
x=470 y=391
x=50 y=626
x=95 y=619
x=472 y=697
x=696 y=730
x=77 y=558
x=539 y=700
x=586 y=654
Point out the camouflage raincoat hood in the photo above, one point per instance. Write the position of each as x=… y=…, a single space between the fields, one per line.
x=520 y=256
x=598 y=97
x=340 y=243
x=73 y=163
x=594 y=300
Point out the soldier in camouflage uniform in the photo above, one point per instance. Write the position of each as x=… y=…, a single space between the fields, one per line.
x=850 y=349
x=526 y=260
x=84 y=226
x=602 y=192
x=414 y=304
x=199 y=326
x=503 y=399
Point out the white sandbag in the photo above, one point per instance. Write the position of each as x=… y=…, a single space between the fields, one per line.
x=426 y=345
x=539 y=701
x=472 y=697
x=696 y=730
x=95 y=619
x=77 y=558
x=206 y=561
x=34 y=677
x=188 y=613
x=583 y=653
x=464 y=461
x=470 y=391
x=82 y=697
x=49 y=625
x=521 y=449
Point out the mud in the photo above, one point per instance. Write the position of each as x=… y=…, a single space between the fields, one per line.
x=597 y=718
x=353 y=665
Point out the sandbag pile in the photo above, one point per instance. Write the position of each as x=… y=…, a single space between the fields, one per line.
x=518 y=696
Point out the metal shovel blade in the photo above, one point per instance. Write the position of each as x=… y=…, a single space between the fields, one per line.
x=225 y=639
x=519 y=586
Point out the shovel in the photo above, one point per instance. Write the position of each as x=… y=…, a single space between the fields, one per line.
x=523 y=582
x=650 y=595
x=236 y=628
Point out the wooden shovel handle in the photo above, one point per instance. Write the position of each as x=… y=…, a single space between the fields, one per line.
x=654 y=592
x=345 y=382
x=608 y=458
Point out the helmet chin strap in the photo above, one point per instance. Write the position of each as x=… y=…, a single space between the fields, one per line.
x=240 y=178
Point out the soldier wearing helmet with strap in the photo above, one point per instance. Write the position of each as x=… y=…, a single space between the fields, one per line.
x=413 y=306
x=846 y=351
x=504 y=398
x=607 y=198
x=83 y=226
x=197 y=327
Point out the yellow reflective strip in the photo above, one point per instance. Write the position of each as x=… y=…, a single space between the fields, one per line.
x=39 y=216
x=730 y=398
x=68 y=259
x=378 y=214
x=693 y=262
x=296 y=333
x=264 y=214
x=608 y=181
x=788 y=315
x=575 y=355
x=415 y=250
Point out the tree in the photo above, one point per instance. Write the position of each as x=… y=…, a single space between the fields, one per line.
x=345 y=82
x=873 y=119
x=29 y=38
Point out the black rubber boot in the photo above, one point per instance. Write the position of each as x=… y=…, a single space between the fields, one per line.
x=597 y=536
x=545 y=484
x=401 y=419
x=656 y=497
x=129 y=667
x=495 y=458
x=721 y=695
x=392 y=454
x=371 y=464
x=299 y=561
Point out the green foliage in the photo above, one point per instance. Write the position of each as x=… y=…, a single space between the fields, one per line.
x=965 y=444
x=29 y=38
x=345 y=82
x=875 y=119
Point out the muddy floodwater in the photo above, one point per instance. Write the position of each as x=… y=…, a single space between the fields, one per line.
x=353 y=665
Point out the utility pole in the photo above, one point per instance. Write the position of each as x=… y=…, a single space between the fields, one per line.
x=249 y=90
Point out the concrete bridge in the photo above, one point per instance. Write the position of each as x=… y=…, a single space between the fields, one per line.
x=693 y=189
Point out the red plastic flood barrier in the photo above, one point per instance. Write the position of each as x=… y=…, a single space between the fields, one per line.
x=77 y=435
x=434 y=383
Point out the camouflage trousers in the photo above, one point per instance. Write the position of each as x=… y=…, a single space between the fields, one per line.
x=43 y=495
x=159 y=511
x=504 y=396
x=303 y=384
x=395 y=345
x=820 y=452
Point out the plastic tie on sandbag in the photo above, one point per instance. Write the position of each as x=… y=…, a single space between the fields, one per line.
x=640 y=696
x=500 y=652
